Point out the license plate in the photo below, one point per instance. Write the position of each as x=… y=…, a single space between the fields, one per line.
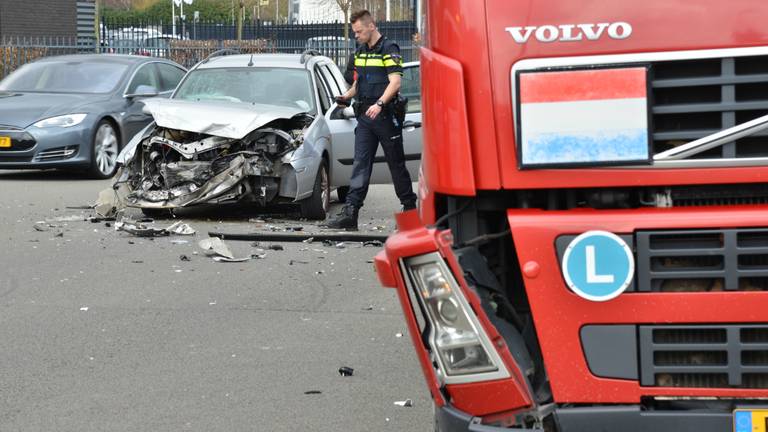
x=750 y=420
x=5 y=142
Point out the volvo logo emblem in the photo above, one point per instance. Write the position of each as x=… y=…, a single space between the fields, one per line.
x=571 y=32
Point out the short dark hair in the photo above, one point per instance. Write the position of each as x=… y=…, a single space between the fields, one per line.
x=363 y=15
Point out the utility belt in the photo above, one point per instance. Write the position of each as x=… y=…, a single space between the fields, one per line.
x=397 y=107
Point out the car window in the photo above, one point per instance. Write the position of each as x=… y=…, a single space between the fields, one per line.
x=328 y=75
x=411 y=88
x=66 y=77
x=325 y=101
x=253 y=85
x=169 y=76
x=146 y=75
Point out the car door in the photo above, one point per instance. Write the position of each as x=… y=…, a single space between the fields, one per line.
x=342 y=151
x=135 y=118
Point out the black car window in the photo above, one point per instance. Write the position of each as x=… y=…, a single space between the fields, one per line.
x=322 y=90
x=335 y=89
x=411 y=88
x=169 y=76
x=147 y=76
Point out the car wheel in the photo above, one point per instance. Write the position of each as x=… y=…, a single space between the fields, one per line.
x=104 y=150
x=157 y=213
x=342 y=192
x=317 y=205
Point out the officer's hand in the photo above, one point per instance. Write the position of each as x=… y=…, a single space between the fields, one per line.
x=342 y=101
x=373 y=111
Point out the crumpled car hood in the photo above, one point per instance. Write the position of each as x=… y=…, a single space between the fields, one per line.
x=224 y=119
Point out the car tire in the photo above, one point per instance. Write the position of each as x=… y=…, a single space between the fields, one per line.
x=342 y=192
x=157 y=213
x=105 y=147
x=317 y=206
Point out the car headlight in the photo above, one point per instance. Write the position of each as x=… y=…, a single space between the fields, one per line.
x=64 y=121
x=461 y=344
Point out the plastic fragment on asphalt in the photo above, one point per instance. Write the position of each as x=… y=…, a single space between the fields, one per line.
x=405 y=403
x=84 y=308
x=230 y=260
x=108 y=203
x=179 y=242
x=215 y=246
x=184 y=258
x=312 y=392
x=292 y=262
x=346 y=371
x=276 y=247
x=180 y=228
x=398 y=335
x=140 y=230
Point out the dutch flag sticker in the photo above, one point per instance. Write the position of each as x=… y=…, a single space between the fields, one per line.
x=584 y=117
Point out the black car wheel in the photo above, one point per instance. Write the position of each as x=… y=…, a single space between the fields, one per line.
x=317 y=205
x=104 y=150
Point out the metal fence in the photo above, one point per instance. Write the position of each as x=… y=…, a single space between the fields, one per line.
x=15 y=52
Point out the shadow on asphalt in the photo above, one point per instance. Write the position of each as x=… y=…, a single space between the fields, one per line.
x=47 y=175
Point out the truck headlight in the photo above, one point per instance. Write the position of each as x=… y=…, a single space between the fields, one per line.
x=461 y=345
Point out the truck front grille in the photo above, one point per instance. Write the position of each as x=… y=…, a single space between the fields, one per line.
x=695 y=98
x=729 y=356
x=702 y=260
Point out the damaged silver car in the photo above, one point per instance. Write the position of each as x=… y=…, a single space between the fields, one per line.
x=239 y=128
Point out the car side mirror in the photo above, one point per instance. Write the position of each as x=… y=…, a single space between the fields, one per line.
x=339 y=112
x=143 y=91
x=411 y=125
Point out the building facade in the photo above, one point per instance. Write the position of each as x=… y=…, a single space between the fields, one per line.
x=46 y=18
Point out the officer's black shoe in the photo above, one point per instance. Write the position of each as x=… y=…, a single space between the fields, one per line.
x=408 y=206
x=346 y=219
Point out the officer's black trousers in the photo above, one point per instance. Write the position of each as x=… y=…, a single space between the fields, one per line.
x=368 y=134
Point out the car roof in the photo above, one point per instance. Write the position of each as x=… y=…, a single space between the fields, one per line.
x=115 y=58
x=260 y=60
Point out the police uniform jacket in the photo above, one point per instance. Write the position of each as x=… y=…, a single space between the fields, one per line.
x=373 y=66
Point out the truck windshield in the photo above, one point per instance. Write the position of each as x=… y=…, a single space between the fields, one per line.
x=270 y=86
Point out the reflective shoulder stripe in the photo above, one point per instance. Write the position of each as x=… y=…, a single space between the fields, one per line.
x=391 y=63
x=370 y=62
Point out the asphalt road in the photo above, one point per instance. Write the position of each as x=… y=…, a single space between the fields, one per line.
x=102 y=331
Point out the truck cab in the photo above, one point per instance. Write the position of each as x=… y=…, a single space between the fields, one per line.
x=590 y=250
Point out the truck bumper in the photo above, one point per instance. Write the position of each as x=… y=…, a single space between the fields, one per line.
x=592 y=419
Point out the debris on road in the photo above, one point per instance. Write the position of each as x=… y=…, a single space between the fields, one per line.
x=405 y=403
x=215 y=246
x=376 y=243
x=230 y=260
x=184 y=258
x=398 y=335
x=276 y=247
x=141 y=230
x=108 y=203
x=84 y=309
x=346 y=371
x=312 y=392
x=292 y=262
x=180 y=228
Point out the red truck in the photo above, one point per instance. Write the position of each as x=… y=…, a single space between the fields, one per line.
x=590 y=251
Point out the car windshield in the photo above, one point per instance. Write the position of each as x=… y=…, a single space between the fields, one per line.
x=272 y=86
x=66 y=77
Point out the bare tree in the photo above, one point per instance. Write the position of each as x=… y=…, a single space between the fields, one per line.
x=346 y=7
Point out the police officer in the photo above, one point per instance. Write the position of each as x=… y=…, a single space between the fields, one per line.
x=379 y=68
